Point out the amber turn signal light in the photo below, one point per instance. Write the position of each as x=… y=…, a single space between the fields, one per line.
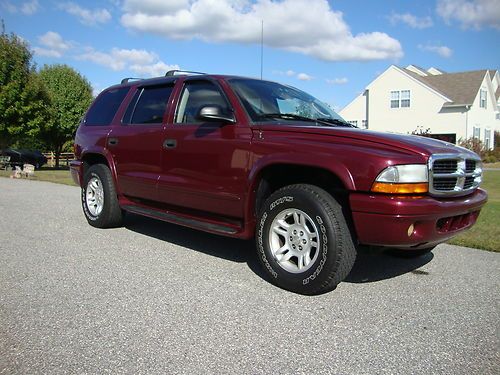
x=393 y=188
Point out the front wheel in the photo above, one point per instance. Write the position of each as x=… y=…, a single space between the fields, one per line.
x=303 y=240
x=99 y=199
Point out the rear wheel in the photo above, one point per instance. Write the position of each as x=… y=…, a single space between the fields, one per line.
x=303 y=240
x=99 y=199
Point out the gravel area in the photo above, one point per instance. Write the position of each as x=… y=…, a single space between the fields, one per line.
x=152 y=297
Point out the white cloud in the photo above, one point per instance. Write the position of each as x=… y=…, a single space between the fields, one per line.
x=442 y=51
x=28 y=7
x=52 y=39
x=309 y=27
x=337 y=81
x=471 y=13
x=290 y=73
x=411 y=20
x=304 y=77
x=53 y=45
x=46 y=52
x=138 y=61
x=153 y=70
x=86 y=16
x=155 y=7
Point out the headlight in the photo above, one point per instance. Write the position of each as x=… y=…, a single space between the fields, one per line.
x=402 y=179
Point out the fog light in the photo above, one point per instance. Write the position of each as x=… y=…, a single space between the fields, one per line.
x=411 y=228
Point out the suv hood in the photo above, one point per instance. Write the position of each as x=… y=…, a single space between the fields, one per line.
x=413 y=143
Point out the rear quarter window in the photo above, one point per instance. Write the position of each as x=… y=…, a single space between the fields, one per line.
x=102 y=112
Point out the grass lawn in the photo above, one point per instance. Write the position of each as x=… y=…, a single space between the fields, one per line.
x=60 y=176
x=484 y=235
x=492 y=165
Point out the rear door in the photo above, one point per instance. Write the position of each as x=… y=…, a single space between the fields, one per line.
x=136 y=143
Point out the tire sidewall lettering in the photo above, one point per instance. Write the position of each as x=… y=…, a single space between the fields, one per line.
x=260 y=241
x=84 y=201
x=260 y=244
x=324 y=252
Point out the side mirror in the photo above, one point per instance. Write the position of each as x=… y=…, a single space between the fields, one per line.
x=214 y=113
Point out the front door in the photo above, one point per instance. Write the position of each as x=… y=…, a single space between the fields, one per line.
x=204 y=163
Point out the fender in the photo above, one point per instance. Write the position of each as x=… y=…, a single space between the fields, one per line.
x=254 y=177
x=101 y=151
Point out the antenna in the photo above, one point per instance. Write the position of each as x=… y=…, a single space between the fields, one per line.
x=261 y=49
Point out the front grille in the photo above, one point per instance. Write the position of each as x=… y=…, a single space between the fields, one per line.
x=445 y=166
x=445 y=184
x=470 y=165
x=454 y=174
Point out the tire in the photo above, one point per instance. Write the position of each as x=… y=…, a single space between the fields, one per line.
x=303 y=241
x=99 y=199
x=409 y=253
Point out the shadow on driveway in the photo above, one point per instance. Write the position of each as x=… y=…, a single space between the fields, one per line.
x=370 y=266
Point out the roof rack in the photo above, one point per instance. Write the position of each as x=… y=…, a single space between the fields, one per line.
x=174 y=72
x=128 y=79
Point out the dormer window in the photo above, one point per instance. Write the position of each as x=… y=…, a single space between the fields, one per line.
x=482 y=98
x=400 y=99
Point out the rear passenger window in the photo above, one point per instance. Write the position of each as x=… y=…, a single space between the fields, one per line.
x=103 y=110
x=148 y=105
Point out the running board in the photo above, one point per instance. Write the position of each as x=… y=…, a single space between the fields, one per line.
x=182 y=220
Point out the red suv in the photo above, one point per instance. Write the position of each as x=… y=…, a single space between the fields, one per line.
x=244 y=157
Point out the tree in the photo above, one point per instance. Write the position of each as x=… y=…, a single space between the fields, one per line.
x=70 y=95
x=23 y=99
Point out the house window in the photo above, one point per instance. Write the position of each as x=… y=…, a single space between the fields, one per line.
x=476 y=133
x=353 y=122
x=487 y=138
x=482 y=98
x=405 y=99
x=394 y=99
x=364 y=124
x=400 y=99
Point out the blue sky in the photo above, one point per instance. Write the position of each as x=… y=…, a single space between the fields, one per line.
x=331 y=49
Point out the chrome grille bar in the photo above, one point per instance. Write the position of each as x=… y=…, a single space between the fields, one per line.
x=454 y=174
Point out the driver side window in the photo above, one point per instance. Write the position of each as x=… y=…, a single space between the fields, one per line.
x=198 y=94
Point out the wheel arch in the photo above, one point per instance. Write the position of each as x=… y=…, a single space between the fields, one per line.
x=272 y=176
x=92 y=157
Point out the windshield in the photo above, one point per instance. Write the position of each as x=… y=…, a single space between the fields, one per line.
x=273 y=101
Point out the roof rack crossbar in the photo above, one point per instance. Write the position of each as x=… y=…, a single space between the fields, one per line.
x=128 y=79
x=173 y=72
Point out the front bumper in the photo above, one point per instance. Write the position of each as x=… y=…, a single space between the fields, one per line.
x=76 y=169
x=384 y=220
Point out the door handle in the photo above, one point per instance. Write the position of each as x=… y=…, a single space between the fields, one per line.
x=112 y=141
x=170 y=143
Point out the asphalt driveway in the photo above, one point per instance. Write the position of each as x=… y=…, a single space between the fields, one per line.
x=157 y=298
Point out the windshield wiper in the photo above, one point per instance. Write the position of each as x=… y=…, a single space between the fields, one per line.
x=336 y=121
x=287 y=116
x=323 y=120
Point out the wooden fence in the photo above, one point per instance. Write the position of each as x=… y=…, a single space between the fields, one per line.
x=63 y=160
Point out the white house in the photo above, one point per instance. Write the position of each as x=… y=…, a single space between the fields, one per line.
x=452 y=106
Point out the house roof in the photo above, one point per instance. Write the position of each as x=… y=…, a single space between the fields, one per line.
x=461 y=87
